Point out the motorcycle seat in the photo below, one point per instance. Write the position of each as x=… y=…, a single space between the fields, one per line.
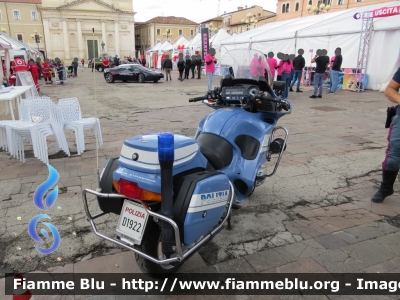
x=279 y=85
x=217 y=150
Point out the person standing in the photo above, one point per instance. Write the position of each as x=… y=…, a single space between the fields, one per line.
x=255 y=67
x=33 y=68
x=46 y=71
x=83 y=63
x=143 y=61
x=273 y=64
x=210 y=66
x=337 y=64
x=188 y=65
x=298 y=65
x=39 y=65
x=167 y=67
x=286 y=68
x=322 y=62
x=60 y=70
x=198 y=64
x=181 y=66
x=75 y=67
x=193 y=65
x=391 y=163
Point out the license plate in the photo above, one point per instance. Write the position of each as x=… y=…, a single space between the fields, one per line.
x=132 y=222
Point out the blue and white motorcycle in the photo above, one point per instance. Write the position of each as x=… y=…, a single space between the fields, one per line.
x=174 y=193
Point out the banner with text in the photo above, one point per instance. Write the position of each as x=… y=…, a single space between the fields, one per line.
x=386 y=11
x=204 y=41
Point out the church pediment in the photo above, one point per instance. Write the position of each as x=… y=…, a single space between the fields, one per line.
x=88 y=5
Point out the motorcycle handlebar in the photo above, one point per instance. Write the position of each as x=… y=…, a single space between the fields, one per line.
x=195 y=99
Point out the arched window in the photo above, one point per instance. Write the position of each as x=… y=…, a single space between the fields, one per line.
x=283 y=8
x=297 y=6
x=287 y=7
x=310 y=2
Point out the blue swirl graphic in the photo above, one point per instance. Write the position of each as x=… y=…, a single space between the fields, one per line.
x=44 y=187
x=32 y=232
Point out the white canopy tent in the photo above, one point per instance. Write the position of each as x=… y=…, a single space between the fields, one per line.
x=181 y=41
x=165 y=47
x=215 y=42
x=329 y=31
x=195 y=44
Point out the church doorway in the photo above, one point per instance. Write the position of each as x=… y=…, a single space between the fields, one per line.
x=93 y=48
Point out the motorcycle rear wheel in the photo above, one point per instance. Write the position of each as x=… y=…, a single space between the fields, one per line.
x=151 y=245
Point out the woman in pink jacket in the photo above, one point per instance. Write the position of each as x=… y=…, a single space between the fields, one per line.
x=273 y=64
x=286 y=66
x=255 y=67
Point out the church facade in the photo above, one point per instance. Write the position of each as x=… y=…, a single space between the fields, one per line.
x=88 y=28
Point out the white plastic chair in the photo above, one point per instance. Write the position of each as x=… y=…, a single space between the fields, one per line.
x=44 y=121
x=72 y=118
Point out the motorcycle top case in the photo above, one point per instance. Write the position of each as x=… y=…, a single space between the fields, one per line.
x=138 y=161
x=200 y=203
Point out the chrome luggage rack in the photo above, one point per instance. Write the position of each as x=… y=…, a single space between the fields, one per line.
x=180 y=256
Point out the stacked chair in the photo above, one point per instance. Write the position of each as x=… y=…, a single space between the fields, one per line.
x=72 y=118
x=39 y=118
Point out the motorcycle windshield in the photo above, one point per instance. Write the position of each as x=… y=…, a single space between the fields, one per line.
x=246 y=63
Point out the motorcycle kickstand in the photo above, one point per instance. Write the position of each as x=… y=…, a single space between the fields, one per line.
x=229 y=222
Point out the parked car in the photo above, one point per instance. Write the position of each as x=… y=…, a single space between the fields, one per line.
x=98 y=64
x=131 y=72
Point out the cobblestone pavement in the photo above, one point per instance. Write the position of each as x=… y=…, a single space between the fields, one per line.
x=314 y=215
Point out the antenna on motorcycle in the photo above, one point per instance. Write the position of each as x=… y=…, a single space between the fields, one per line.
x=95 y=115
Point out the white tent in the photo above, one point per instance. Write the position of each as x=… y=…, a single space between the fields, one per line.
x=181 y=41
x=215 y=41
x=329 y=31
x=165 y=47
x=195 y=44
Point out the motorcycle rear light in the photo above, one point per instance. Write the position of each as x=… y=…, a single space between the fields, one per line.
x=132 y=190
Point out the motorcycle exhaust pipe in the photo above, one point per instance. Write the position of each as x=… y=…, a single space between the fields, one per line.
x=166 y=160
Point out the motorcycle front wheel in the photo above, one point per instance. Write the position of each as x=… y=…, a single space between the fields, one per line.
x=151 y=245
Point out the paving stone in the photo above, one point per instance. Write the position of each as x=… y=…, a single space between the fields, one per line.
x=267 y=259
x=369 y=252
x=390 y=242
x=301 y=250
x=337 y=261
x=330 y=241
x=364 y=232
x=234 y=266
x=389 y=207
x=306 y=265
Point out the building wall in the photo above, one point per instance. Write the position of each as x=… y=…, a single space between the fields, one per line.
x=69 y=30
x=336 y=5
x=24 y=27
x=151 y=33
x=233 y=21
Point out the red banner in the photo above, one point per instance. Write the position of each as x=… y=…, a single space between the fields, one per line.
x=386 y=11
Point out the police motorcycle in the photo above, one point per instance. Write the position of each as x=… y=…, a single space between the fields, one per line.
x=175 y=193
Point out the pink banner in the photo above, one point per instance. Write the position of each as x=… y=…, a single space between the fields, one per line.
x=386 y=11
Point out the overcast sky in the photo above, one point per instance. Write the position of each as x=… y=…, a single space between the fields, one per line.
x=195 y=10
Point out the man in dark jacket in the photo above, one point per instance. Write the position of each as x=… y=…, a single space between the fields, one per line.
x=193 y=65
x=181 y=66
x=188 y=65
x=167 y=67
x=337 y=64
x=298 y=65
x=198 y=64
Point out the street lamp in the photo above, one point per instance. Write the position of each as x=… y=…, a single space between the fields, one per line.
x=36 y=37
x=318 y=10
x=249 y=20
x=167 y=34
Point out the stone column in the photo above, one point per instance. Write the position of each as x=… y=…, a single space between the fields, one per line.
x=47 y=38
x=116 y=38
x=80 y=39
x=66 y=42
x=132 y=37
x=104 y=35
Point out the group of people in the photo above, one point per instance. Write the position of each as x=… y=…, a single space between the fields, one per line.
x=38 y=70
x=184 y=66
x=290 y=70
